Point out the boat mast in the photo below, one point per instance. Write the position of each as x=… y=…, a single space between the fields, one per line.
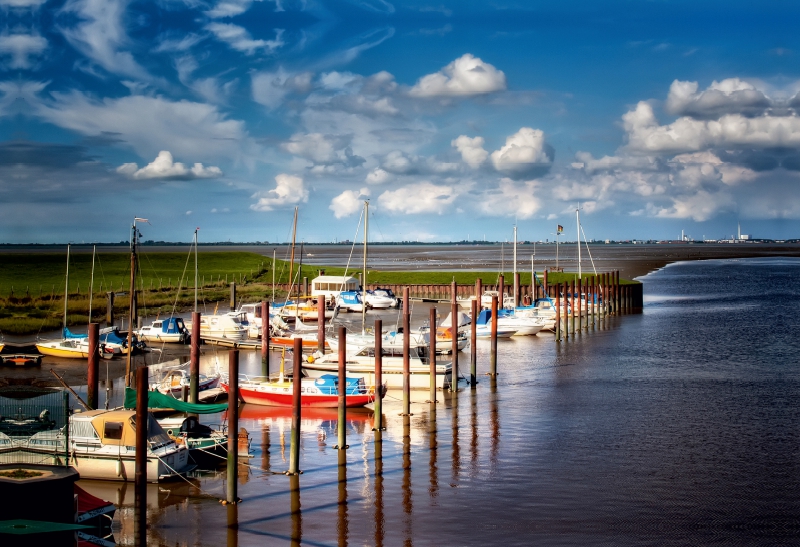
x=66 y=294
x=515 y=265
x=91 y=283
x=291 y=260
x=364 y=277
x=578 y=218
x=195 y=269
x=132 y=315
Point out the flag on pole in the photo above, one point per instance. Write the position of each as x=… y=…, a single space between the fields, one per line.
x=560 y=228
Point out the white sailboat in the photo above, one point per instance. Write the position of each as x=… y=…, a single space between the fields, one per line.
x=71 y=348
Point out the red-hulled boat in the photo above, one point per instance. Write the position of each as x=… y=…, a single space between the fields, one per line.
x=322 y=392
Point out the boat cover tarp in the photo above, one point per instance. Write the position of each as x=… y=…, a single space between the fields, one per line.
x=156 y=399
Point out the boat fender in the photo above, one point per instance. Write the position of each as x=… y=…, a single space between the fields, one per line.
x=119 y=468
x=311 y=359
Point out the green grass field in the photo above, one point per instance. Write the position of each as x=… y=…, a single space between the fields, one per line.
x=32 y=284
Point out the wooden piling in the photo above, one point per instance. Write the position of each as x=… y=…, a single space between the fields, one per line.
x=406 y=350
x=473 y=346
x=264 y=339
x=558 y=312
x=572 y=305
x=432 y=354
x=516 y=290
x=140 y=462
x=617 y=291
x=232 y=495
x=342 y=390
x=501 y=288
x=194 y=359
x=110 y=308
x=479 y=290
x=92 y=395
x=297 y=374
x=454 y=334
x=580 y=298
x=321 y=324
x=378 y=406
x=233 y=296
x=493 y=350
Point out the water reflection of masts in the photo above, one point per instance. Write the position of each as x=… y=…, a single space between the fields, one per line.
x=294 y=505
x=407 y=503
x=233 y=525
x=265 y=447
x=456 y=469
x=379 y=519
x=342 y=525
x=433 y=489
x=494 y=426
x=473 y=445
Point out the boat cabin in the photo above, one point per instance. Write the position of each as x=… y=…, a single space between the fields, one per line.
x=331 y=285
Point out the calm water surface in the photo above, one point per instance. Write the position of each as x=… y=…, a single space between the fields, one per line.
x=676 y=426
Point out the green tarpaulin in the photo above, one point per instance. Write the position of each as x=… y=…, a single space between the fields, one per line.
x=156 y=399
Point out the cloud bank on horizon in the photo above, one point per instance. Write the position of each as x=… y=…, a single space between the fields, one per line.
x=115 y=108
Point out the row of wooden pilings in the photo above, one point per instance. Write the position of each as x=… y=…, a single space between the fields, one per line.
x=603 y=293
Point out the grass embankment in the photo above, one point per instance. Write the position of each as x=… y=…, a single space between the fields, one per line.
x=32 y=284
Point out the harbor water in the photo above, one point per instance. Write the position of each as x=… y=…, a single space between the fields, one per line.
x=675 y=426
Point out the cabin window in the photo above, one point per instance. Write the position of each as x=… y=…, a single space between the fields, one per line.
x=112 y=430
x=156 y=324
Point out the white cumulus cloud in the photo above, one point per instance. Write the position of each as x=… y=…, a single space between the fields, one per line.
x=421 y=197
x=471 y=150
x=348 y=202
x=467 y=75
x=523 y=150
x=289 y=190
x=729 y=96
x=164 y=167
x=377 y=176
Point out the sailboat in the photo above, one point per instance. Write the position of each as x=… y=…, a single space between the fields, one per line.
x=72 y=348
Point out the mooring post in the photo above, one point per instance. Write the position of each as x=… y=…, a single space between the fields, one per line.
x=110 y=308
x=454 y=335
x=305 y=285
x=493 y=350
x=432 y=354
x=473 y=346
x=233 y=426
x=378 y=406
x=479 y=290
x=321 y=324
x=580 y=303
x=501 y=289
x=92 y=397
x=264 y=339
x=342 y=390
x=617 y=298
x=140 y=462
x=297 y=373
x=233 y=295
x=545 y=286
x=572 y=305
x=558 y=311
x=406 y=350
x=194 y=359
x=516 y=290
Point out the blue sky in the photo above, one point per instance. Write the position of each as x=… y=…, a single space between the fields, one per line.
x=455 y=119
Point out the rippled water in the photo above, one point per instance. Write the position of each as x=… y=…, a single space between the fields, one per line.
x=675 y=426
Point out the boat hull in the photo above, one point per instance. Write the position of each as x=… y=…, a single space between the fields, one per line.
x=391 y=376
x=53 y=349
x=122 y=467
x=282 y=395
